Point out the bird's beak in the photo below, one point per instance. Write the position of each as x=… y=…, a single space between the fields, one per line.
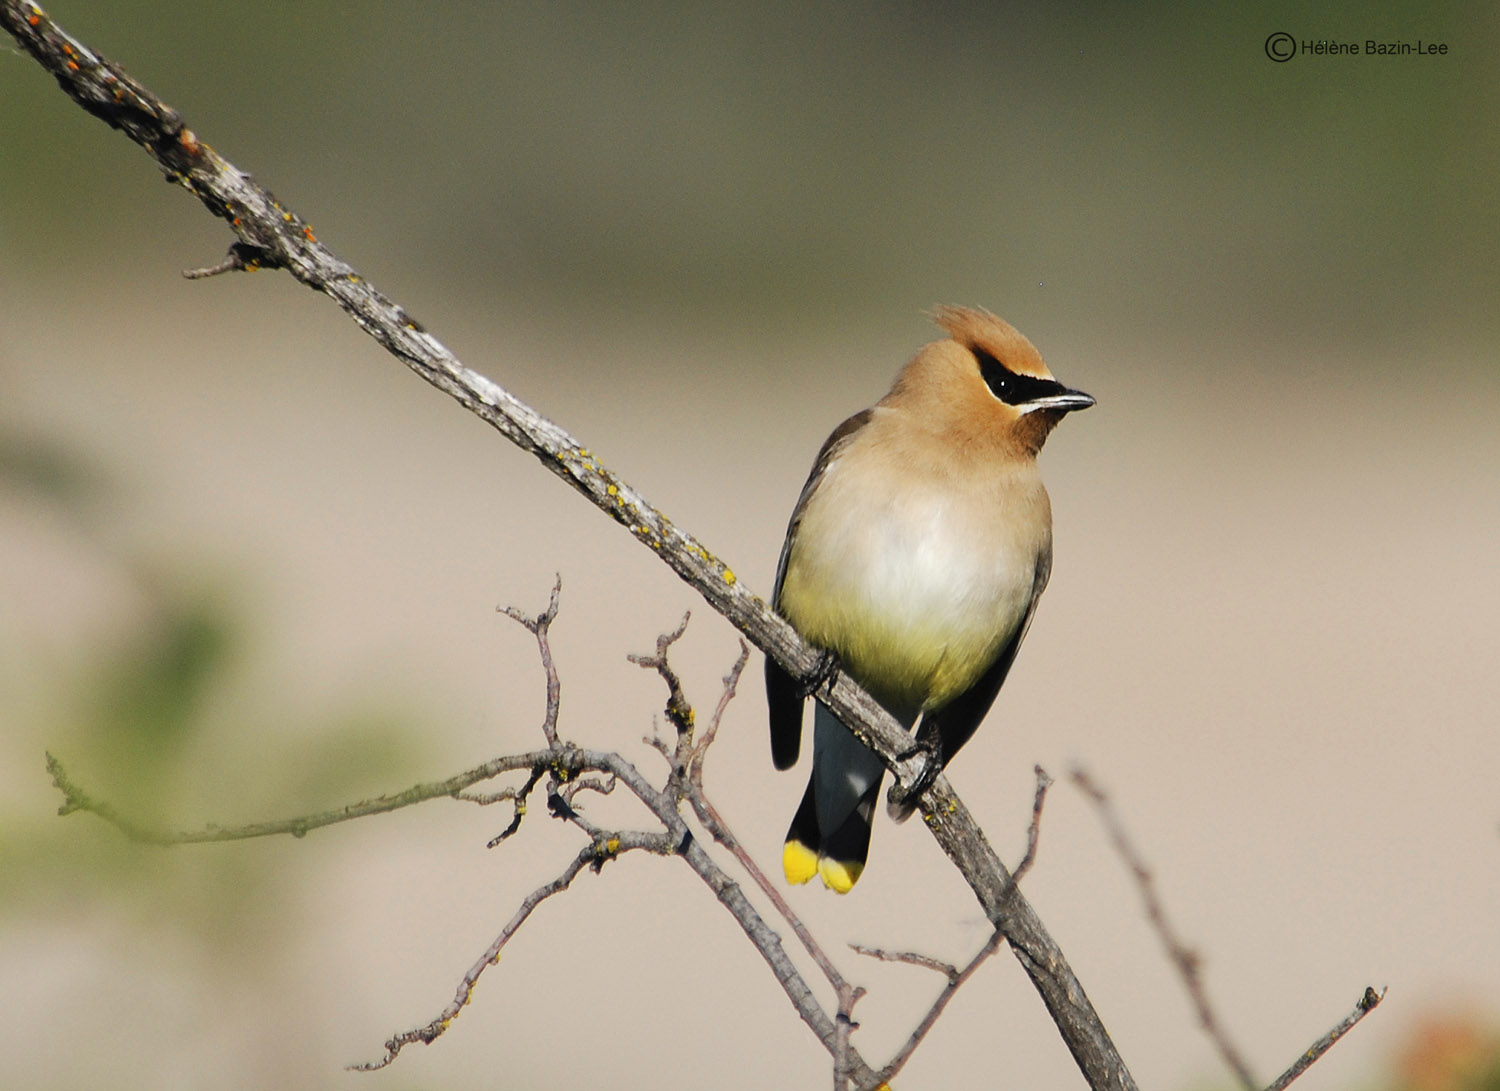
x=1061 y=401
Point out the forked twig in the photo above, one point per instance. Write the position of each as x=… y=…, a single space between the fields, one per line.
x=539 y=626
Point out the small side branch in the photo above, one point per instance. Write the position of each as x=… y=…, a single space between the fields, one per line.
x=76 y=799
x=592 y=855
x=539 y=627
x=956 y=980
x=1367 y=1003
x=679 y=709
x=1034 y=831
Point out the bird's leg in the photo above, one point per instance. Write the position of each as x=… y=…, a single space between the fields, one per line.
x=822 y=673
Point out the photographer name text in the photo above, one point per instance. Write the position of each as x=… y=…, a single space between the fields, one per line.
x=1372 y=48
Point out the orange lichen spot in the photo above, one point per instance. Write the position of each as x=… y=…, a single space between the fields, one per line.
x=35 y=17
x=188 y=141
x=307 y=233
x=73 y=65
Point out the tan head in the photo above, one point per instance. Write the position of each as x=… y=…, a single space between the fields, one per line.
x=987 y=383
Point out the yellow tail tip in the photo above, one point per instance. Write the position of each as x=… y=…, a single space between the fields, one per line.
x=799 y=862
x=840 y=875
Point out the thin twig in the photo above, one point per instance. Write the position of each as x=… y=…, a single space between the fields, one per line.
x=1034 y=831
x=956 y=977
x=731 y=683
x=1186 y=960
x=956 y=980
x=241 y=258
x=592 y=855
x=685 y=779
x=76 y=799
x=517 y=796
x=910 y=958
x=679 y=709
x=1367 y=1003
x=713 y=822
x=539 y=627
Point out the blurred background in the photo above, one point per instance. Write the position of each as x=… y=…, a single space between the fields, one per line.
x=249 y=565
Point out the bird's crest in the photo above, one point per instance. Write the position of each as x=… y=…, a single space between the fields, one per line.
x=980 y=331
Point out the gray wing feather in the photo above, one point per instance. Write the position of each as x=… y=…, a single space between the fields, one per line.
x=784 y=694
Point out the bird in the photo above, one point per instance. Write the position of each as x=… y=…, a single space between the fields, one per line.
x=913 y=562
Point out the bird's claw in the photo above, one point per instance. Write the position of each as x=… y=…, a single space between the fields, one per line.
x=822 y=673
x=902 y=800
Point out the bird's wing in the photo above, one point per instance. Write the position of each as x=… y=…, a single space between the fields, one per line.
x=955 y=723
x=785 y=694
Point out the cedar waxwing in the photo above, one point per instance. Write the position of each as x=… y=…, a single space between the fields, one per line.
x=915 y=556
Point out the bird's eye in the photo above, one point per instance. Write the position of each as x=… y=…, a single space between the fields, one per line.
x=1010 y=388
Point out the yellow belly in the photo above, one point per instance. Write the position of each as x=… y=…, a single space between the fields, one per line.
x=915 y=603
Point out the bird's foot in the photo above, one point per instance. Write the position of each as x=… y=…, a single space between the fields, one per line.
x=824 y=669
x=902 y=800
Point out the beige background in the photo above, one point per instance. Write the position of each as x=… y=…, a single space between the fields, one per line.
x=698 y=240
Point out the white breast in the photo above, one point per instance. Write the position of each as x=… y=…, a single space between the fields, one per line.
x=916 y=581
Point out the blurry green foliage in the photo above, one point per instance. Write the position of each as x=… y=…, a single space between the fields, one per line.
x=153 y=718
